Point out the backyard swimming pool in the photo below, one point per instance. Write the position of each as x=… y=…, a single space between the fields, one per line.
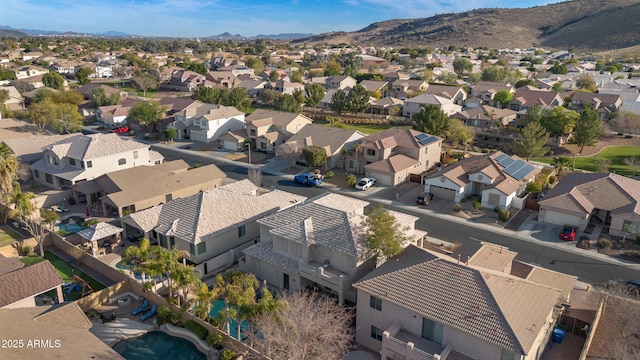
x=72 y=224
x=158 y=345
x=122 y=265
x=217 y=307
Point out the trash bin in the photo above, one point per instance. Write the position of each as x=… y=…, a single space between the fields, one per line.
x=558 y=334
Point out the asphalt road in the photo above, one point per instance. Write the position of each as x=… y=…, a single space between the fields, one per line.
x=587 y=269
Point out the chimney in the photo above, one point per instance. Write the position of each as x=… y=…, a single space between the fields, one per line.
x=458 y=259
x=468 y=257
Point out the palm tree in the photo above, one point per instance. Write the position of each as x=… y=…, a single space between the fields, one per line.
x=186 y=279
x=560 y=163
x=204 y=299
x=167 y=262
x=358 y=149
x=244 y=297
x=8 y=169
x=268 y=304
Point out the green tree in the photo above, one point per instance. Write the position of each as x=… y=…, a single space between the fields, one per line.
x=296 y=76
x=332 y=68
x=204 y=302
x=24 y=209
x=531 y=141
x=525 y=82
x=210 y=95
x=384 y=235
x=431 y=120
x=358 y=100
x=186 y=280
x=351 y=180
x=8 y=170
x=287 y=103
x=100 y=98
x=299 y=96
x=66 y=118
x=535 y=188
x=315 y=93
x=274 y=75
x=457 y=130
x=270 y=96
x=167 y=262
x=561 y=163
x=338 y=102
x=588 y=128
x=558 y=68
x=239 y=98
x=53 y=80
x=314 y=156
x=559 y=120
x=462 y=64
x=503 y=97
x=255 y=63
x=494 y=73
x=170 y=134
x=586 y=82
x=557 y=87
x=82 y=75
x=145 y=82
x=146 y=113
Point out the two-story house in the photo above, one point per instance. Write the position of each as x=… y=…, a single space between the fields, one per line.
x=486 y=90
x=415 y=104
x=268 y=128
x=391 y=156
x=319 y=243
x=497 y=179
x=206 y=122
x=605 y=104
x=213 y=226
x=403 y=88
x=486 y=116
x=477 y=303
x=85 y=157
x=340 y=82
x=186 y=80
x=29 y=71
x=526 y=97
x=284 y=87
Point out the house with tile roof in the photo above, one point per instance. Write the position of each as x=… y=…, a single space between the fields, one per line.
x=319 y=243
x=525 y=98
x=187 y=80
x=214 y=225
x=15 y=101
x=393 y=155
x=116 y=114
x=268 y=128
x=605 y=104
x=403 y=88
x=85 y=157
x=425 y=305
x=608 y=199
x=497 y=179
x=284 y=87
x=486 y=90
x=340 y=82
x=206 y=122
x=332 y=139
x=457 y=94
x=485 y=116
x=387 y=106
x=21 y=285
x=415 y=104
x=373 y=85
x=122 y=192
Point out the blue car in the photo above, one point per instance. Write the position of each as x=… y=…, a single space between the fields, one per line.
x=308 y=179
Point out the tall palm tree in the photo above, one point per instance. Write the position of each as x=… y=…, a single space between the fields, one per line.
x=186 y=280
x=8 y=169
x=358 y=149
x=204 y=299
x=268 y=304
x=244 y=297
x=167 y=262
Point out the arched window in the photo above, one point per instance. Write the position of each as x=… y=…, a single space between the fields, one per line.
x=122 y=161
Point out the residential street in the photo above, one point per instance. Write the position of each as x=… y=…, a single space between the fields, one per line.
x=590 y=268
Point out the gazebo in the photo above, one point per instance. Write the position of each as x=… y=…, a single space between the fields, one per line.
x=101 y=236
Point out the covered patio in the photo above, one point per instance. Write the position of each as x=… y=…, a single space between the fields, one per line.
x=101 y=238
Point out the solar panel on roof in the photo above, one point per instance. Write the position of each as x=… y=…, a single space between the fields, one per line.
x=427 y=140
x=501 y=157
x=524 y=171
x=506 y=161
x=518 y=170
x=421 y=136
x=512 y=168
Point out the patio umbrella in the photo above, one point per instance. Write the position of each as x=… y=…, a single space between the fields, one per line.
x=62 y=207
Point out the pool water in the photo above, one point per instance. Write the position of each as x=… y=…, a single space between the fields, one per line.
x=127 y=266
x=158 y=345
x=72 y=224
x=217 y=308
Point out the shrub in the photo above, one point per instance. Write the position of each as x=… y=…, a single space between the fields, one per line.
x=628 y=136
x=197 y=329
x=351 y=180
x=90 y=222
x=457 y=207
x=552 y=180
x=329 y=174
x=604 y=244
x=164 y=315
x=63 y=233
x=504 y=215
x=23 y=249
x=477 y=204
x=214 y=339
x=132 y=132
x=227 y=355
x=92 y=313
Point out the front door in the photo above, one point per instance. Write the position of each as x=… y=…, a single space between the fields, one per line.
x=285 y=281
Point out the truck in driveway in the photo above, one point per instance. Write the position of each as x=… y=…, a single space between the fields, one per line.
x=308 y=179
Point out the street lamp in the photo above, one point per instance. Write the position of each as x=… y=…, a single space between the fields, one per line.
x=248 y=143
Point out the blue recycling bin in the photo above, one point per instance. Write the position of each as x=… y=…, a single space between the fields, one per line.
x=558 y=334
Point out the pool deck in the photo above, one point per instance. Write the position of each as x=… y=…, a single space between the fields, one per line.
x=113 y=331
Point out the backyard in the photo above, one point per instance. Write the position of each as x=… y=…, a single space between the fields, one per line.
x=365 y=129
x=8 y=236
x=611 y=157
x=65 y=270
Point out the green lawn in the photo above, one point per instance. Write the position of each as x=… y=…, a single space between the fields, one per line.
x=615 y=155
x=66 y=272
x=8 y=236
x=31 y=259
x=368 y=129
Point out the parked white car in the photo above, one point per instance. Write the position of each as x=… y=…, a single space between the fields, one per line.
x=365 y=183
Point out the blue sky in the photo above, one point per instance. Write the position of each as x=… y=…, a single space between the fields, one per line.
x=191 y=18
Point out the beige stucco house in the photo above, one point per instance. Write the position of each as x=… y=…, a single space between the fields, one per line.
x=332 y=139
x=268 y=128
x=478 y=303
x=85 y=157
x=206 y=122
x=605 y=199
x=319 y=243
x=415 y=104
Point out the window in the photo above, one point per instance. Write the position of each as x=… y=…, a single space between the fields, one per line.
x=630 y=227
x=89 y=164
x=242 y=230
x=48 y=178
x=432 y=331
x=122 y=161
x=375 y=303
x=202 y=248
x=192 y=249
x=376 y=333
x=426 y=150
x=352 y=164
x=135 y=155
x=506 y=355
x=36 y=173
x=168 y=198
x=371 y=152
x=72 y=162
x=172 y=241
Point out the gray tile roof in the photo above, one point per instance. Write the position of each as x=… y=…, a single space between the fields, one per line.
x=312 y=223
x=264 y=251
x=87 y=147
x=483 y=303
x=99 y=231
x=67 y=172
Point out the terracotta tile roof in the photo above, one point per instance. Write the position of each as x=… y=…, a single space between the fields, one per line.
x=28 y=281
x=278 y=118
x=324 y=136
x=584 y=192
x=393 y=164
x=486 y=255
x=483 y=303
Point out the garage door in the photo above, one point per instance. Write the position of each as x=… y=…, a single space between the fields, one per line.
x=231 y=145
x=381 y=179
x=558 y=218
x=442 y=193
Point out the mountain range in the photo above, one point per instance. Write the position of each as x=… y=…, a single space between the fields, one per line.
x=586 y=25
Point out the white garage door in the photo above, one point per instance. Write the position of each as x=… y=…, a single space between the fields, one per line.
x=558 y=218
x=230 y=145
x=382 y=179
x=442 y=193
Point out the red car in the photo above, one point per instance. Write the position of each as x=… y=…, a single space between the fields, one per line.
x=121 y=130
x=568 y=233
